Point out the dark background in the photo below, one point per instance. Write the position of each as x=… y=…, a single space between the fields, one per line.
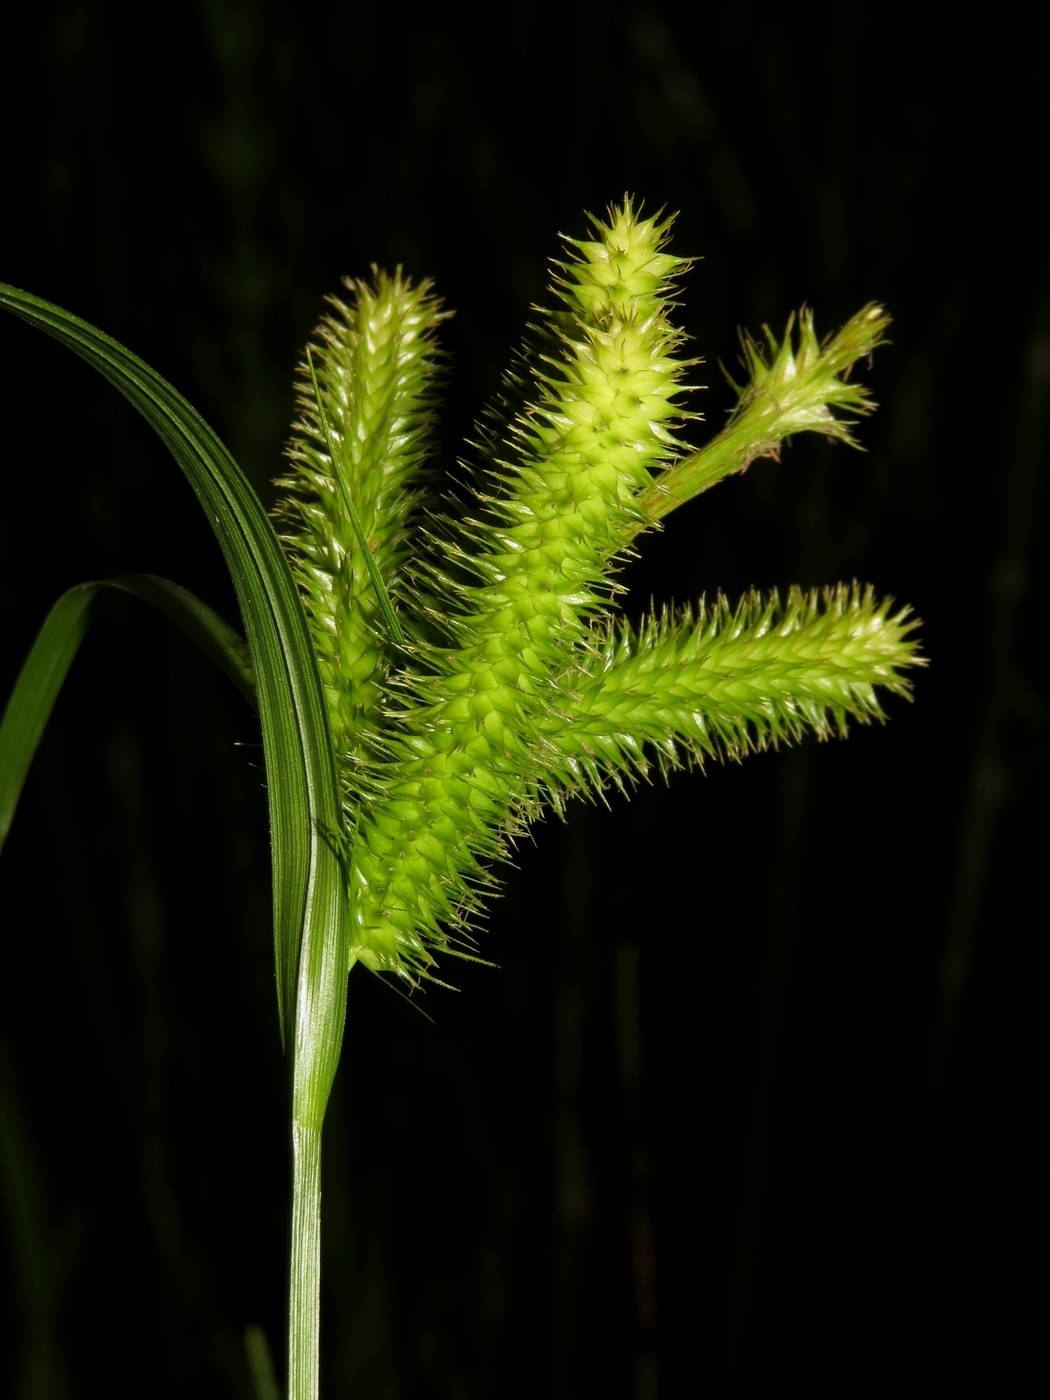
x=752 y=1098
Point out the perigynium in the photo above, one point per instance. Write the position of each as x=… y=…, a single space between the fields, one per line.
x=515 y=684
x=429 y=678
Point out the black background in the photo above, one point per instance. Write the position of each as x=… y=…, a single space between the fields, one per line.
x=825 y=1179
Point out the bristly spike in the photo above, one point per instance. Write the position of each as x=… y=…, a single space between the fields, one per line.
x=519 y=685
x=794 y=391
x=597 y=417
x=365 y=399
x=339 y=472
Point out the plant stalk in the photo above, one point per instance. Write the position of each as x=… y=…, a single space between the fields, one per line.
x=304 y=1305
x=320 y=1016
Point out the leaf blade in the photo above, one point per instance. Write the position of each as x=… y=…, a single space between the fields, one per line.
x=310 y=908
x=215 y=637
x=45 y=669
x=36 y=690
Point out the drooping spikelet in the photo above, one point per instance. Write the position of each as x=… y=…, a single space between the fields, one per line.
x=375 y=362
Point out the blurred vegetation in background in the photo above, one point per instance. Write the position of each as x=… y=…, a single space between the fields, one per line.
x=771 y=1122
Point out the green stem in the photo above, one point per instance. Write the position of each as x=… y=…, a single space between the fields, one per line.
x=319 y=1019
x=304 y=1306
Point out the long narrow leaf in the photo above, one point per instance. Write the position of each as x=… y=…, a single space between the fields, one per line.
x=310 y=913
x=57 y=643
x=215 y=637
x=36 y=691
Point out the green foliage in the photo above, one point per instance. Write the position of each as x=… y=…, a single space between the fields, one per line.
x=56 y=646
x=309 y=892
x=260 y=1363
x=307 y=889
x=451 y=676
x=517 y=687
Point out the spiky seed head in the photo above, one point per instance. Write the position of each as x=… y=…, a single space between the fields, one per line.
x=519 y=687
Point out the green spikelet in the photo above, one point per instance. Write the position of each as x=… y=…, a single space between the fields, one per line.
x=730 y=680
x=794 y=392
x=375 y=365
x=563 y=505
x=517 y=687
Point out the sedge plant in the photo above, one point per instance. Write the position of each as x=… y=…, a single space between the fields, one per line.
x=430 y=676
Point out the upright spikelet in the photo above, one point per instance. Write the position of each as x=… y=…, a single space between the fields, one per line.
x=534 y=691
x=466 y=772
x=375 y=361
